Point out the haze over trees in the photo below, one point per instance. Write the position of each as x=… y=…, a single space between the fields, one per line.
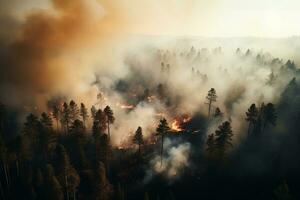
x=69 y=150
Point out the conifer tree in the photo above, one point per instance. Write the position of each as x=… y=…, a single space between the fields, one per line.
x=162 y=130
x=138 y=138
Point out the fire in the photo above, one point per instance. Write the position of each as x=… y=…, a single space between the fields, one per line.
x=178 y=122
x=125 y=106
x=175 y=126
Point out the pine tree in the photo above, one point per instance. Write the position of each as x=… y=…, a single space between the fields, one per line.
x=223 y=139
x=56 y=113
x=93 y=112
x=53 y=187
x=162 y=130
x=218 y=113
x=210 y=143
x=211 y=97
x=47 y=139
x=66 y=117
x=74 y=111
x=269 y=115
x=65 y=171
x=83 y=113
x=109 y=117
x=251 y=116
x=138 y=138
x=102 y=186
x=100 y=123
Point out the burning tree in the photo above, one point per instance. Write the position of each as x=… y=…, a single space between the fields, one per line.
x=162 y=129
x=211 y=97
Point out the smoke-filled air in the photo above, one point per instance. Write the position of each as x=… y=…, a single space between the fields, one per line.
x=140 y=99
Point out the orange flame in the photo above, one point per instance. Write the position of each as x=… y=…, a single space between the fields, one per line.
x=179 y=121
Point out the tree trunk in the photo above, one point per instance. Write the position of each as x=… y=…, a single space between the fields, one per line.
x=17 y=167
x=161 y=150
x=249 y=129
x=209 y=106
x=108 y=131
x=66 y=183
x=139 y=149
x=1 y=190
x=57 y=125
x=5 y=173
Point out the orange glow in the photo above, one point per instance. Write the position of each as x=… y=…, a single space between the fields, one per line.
x=125 y=106
x=175 y=126
x=179 y=121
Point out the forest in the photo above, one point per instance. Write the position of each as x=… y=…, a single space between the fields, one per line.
x=149 y=100
x=214 y=150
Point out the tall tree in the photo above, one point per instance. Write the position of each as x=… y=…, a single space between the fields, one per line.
x=30 y=137
x=100 y=123
x=2 y=118
x=109 y=118
x=138 y=138
x=93 y=112
x=211 y=145
x=102 y=186
x=269 y=115
x=66 y=117
x=53 y=187
x=74 y=111
x=47 y=138
x=56 y=113
x=78 y=141
x=211 y=97
x=66 y=173
x=162 y=130
x=251 y=116
x=83 y=113
x=223 y=139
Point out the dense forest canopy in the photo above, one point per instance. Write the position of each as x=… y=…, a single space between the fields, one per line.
x=89 y=112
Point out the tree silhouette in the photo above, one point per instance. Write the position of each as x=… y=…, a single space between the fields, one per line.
x=56 y=113
x=210 y=143
x=83 y=113
x=162 y=130
x=66 y=173
x=74 y=111
x=251 y=116
x=47 y=139
x=223 y=139
x=53 y=187
x=100 y=123
x=109 y=118
x=102 y=185
x=138 y=138
x=93 y=112
x=66 y=117
x=218 y=113
x=269 y=115
x=211 y=97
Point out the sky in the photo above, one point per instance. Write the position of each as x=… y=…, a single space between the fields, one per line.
x=213 y=18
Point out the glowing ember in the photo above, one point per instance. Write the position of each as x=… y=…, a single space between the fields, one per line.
x=175 y=126
x=125 y=106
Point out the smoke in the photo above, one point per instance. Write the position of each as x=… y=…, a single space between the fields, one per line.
x=174 y=161
x=77 y=48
